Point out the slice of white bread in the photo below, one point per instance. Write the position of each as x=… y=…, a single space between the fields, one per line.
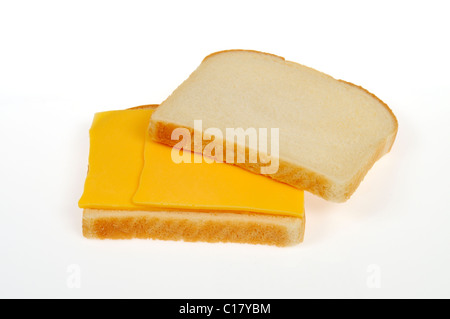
x=194 y=226
x=178 y=224
x=331 y=132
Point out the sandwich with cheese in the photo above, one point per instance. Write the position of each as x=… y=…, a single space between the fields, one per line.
x=329 y=133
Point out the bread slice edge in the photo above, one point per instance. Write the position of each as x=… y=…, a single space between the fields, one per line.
x=191 y=226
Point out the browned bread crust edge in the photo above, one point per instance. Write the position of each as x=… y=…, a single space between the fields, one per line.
x=193 y=226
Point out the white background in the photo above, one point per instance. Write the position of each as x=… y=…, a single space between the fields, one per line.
x=62 y=61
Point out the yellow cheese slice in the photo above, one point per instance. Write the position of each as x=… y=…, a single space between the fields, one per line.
x=119 y=178
x=116 y=159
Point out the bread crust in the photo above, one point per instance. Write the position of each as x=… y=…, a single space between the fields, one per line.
x=242 y=50
x=194 y=226
x=289 y=173
x=144 y=107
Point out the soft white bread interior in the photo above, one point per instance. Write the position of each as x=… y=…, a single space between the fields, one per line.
x=330 y=132
x=193 y=226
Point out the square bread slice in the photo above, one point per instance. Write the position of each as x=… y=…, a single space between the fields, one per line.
x=331 y=132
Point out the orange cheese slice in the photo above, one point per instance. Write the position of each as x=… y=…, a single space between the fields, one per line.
x=116 y=159
x=120 y=178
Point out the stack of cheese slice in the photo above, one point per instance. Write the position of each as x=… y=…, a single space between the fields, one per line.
x=135 y=190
